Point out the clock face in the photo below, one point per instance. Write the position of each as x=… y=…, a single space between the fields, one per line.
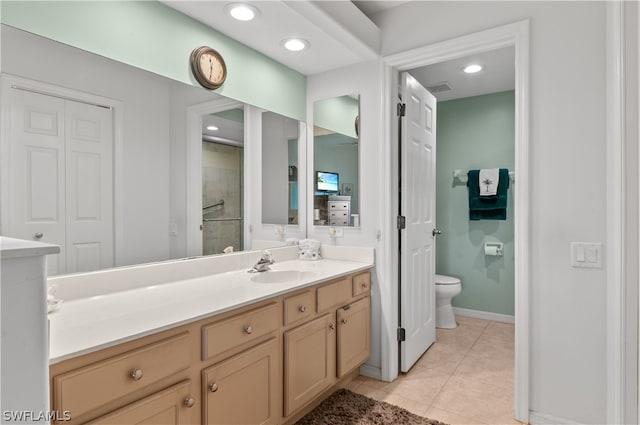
x=208 y=67
x=211 y=68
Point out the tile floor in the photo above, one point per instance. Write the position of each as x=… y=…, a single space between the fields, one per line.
x=466 y=376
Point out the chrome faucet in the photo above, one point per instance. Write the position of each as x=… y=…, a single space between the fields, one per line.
x=263 y=263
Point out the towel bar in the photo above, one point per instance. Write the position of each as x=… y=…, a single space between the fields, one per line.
x=458 y=176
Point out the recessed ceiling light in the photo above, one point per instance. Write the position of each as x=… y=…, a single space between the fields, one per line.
x=212 y=128
x=295 y=44
x=472 y=69
x=242 y=11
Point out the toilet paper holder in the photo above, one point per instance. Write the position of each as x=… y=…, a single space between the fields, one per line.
x=493 y=248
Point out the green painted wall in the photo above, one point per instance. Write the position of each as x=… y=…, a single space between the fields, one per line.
x=473 y=133
x=337 y=114
x=154 y=37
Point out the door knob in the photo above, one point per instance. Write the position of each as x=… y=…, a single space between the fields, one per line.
x=435 y=232
x=38 y=235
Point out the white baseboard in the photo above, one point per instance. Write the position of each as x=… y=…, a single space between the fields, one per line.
x=371 y=372
x=496 y=317
x=536 y=418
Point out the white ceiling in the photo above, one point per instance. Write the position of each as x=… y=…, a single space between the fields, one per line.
x=498 y=74
x=340 y=34
x=227 y=129
x=331 y=46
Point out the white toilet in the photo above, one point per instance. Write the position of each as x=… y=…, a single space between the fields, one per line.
x=447 y=287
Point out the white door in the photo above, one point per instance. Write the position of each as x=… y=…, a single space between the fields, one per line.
x=417 y=255
x=61 y=179
x=89 y=172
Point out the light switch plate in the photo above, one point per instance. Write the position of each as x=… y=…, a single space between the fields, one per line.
x=586 y=255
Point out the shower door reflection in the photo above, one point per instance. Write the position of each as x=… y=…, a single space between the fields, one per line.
x=222 y=212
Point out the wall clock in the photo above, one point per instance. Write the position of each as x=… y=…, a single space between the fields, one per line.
x=208 y=67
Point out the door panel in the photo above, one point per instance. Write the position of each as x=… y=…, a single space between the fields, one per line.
x=89 y=172
x=36 y=183
x=417 y=299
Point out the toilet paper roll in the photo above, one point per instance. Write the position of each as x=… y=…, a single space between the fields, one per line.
x=493 y=249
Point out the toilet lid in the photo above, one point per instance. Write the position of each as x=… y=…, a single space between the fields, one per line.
x=446 y=280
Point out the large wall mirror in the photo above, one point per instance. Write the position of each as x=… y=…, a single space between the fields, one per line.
x=336 y=161
x=131 y=201
x=280 y=138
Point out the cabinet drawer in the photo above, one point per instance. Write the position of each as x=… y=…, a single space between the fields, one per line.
x=334 y=294
x=339 y=222
x=339 y=214
x=361 y=283
x=170 y=406
x=90 y=387
x=237 y=330
x=299 y=307
x=338 y=205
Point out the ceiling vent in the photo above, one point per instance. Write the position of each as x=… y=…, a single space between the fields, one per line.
x=439 y=87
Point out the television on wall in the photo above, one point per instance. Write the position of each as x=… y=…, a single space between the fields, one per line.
x=327 y=182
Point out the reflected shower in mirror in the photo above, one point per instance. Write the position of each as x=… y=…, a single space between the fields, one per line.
x=222 y=181
x=336 y=159
x=280 y=136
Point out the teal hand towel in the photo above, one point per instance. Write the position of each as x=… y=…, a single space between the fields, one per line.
x=487 y=207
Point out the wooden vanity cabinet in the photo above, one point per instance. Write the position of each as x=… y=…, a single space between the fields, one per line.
x=321 y=351
x=244 y=388
x=167 y=407
x=265 y=363
x=309 y=358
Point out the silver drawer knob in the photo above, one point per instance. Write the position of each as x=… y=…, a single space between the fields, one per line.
x=213 y=387
x=332 y=326
x=302 y=309
x=248 y=330
x=136 y=374
x=364 y=286
x=38 y=235
x=344 y=321
x=189 y=401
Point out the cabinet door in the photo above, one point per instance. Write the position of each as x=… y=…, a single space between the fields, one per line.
x=168 y=407
x=244 y=389
x=309 y=361
x=354 y=335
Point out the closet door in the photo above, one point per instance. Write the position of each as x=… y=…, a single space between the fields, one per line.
x=89 y=173
x=36 y=179
x=60 y=179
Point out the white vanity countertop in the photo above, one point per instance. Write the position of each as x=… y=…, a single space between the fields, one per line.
x=88 y=324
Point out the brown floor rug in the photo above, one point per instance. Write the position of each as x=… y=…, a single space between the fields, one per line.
x=348 y=408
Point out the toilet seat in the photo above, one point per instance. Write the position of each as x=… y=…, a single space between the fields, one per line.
x=446 y=280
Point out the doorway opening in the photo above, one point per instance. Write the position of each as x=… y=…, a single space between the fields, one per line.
x=515 y=36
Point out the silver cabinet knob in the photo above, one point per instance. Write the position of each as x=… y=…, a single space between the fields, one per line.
x=136 y=374
x=189 y=401
x=38 y=235
x=332 y=326
x=213 y=387
x=248 y=330
x=302 y=309
x=344 y=321
x=435 y=232
x=364 y=286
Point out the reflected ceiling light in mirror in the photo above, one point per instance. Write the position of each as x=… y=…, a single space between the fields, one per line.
x=473 y=68
x=242 y=11
x=295 y=44
x=212 y=128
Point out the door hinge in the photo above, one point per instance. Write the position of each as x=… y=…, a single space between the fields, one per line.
x=401 y=109
x=402 y=222
x=401 y=335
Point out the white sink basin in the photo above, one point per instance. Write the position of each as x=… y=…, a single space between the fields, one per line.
x=281 y=276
